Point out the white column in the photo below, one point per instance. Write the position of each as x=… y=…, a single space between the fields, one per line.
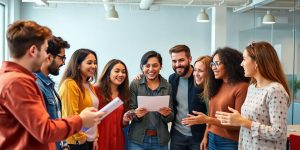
x=218 y=27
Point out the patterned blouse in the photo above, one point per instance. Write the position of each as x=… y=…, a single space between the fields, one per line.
x=267 y=107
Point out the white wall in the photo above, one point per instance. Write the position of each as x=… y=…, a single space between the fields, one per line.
x=84 y=26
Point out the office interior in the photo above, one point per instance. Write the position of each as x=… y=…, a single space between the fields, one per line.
x=126 y=29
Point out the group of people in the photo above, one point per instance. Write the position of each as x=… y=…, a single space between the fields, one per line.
x=225 y=101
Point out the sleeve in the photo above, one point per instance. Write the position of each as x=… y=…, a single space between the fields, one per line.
x=170 y=117
x=277 y=106
x=133 y=99
x=36 y=119
x=70 y=95
x=240 y=96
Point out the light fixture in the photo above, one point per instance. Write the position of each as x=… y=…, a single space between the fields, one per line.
x=38 y=2
x=202 y=16
x=268 y=18
x=112 y=14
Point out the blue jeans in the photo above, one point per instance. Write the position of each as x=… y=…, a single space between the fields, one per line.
x=183 y=142
x=150 y=143
x=216 y=142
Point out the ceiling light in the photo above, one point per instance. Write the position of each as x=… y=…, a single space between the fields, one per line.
x=38 y=2
x=202 y=17
x=268 y=18
x=112 y=14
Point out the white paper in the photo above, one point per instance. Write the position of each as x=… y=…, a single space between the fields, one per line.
x=153 y=103
x=111 y=106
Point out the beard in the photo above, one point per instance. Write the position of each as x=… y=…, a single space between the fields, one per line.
x=53 y=68
x=185 y=70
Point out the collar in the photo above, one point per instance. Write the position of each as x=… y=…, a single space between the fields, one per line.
x=162 y=84
x=8 y=66
x=44 y=78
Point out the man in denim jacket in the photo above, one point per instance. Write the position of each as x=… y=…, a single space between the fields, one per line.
x=55 y=59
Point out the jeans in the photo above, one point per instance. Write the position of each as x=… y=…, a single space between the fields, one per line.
x=216 y=142
x=150 y=143
x=182 y=142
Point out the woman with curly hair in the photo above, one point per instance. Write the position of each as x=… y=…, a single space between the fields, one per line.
x=226 y=86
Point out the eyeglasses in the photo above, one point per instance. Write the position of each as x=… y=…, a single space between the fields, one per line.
x=215 y=64
x=63 y=58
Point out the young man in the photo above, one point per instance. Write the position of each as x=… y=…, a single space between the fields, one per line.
x=186 y=99
x=24 y=121
x=54 y=60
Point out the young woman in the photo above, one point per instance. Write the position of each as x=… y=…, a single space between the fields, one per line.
x=113 y=83
x=77 y=93
x=201 y=70
x=149 y=130
x=226 y=86
x=263 y=117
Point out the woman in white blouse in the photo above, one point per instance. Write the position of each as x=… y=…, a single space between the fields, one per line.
x=263 y=117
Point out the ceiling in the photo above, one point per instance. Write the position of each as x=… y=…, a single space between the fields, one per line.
x=237 y=5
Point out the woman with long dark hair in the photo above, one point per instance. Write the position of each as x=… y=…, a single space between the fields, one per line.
x=113 y=83
x=77 y=93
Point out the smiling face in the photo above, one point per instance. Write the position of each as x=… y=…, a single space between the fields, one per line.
x=249 y=65
x=57 y=62
x=88 y=66
x=117 y=74
x=180 y=63
x=152 y=68
x=218 y=68
x=200 y=73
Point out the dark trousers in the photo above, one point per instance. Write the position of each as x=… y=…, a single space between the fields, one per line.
x=182 y=142
x=84 y=146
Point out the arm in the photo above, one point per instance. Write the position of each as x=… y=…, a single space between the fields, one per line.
x=70 y=95
x=133 y=101
x=170 y=116
x=36 y=119
x=277 y=105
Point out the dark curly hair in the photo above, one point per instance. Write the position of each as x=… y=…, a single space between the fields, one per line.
x=231 y=59
x=55 y=44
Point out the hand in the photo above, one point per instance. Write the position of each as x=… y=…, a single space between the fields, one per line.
x=128 y=116
x=203 y=145
x=140 y=112
x=198 y=118
x=95 y=145
x=165 y=111
x=90 y=117
x=232 y=119
x=138 y=76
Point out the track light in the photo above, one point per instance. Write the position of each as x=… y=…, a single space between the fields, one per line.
x=268 y=18
x=112 y=14
x=202 y=16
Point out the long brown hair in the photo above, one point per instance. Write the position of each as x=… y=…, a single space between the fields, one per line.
x=269 y=66
x=72 y=70
x=104 y=83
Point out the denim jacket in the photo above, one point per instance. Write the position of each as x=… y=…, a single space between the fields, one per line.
x=46 y=85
